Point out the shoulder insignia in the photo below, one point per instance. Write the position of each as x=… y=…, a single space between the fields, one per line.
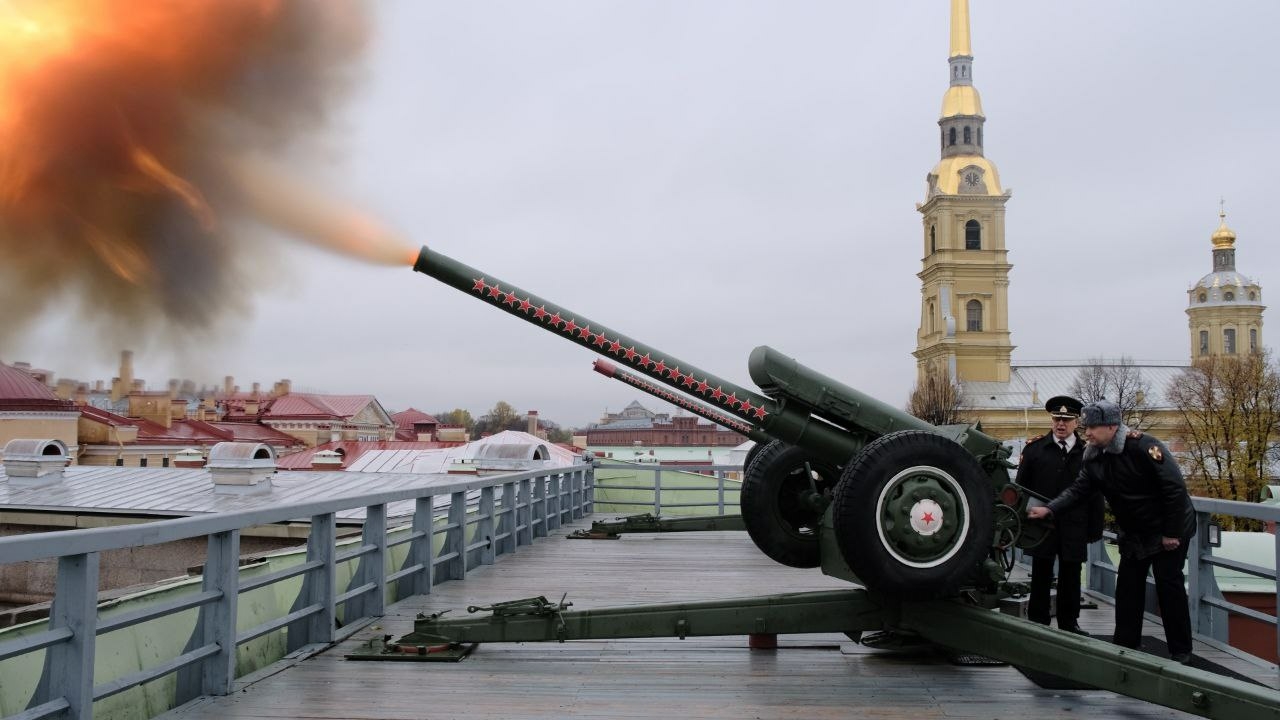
x=1134 y=434
x=1033 y=438
x=1154 y=452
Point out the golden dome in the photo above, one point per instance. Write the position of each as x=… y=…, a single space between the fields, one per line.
x=948 y=173
x=1224 y=237
x=961 y=100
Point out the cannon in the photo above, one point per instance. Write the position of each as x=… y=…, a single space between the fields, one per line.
x=918 y=515
x=915 y=510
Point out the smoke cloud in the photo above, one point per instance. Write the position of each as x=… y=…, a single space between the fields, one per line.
x=143 y=146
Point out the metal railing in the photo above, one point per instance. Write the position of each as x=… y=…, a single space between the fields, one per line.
x=509 y=511
x=716 y=482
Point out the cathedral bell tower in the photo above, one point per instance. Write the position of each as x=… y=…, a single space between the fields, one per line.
x=1224 y=308
x=964 y=311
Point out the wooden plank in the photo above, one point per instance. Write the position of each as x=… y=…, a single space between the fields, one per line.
x=809 y=676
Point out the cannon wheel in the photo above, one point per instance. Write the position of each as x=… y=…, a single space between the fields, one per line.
x=913 y=515
x=778 y=508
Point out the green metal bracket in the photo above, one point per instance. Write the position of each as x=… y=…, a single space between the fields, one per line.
x=383 y=649
x=650 y=523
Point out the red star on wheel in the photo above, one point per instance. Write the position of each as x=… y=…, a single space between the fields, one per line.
x=702 y=387
x=479 y=286
x=717 y=394
x=927 y=518
x=570 y=326
x=601 y=340
x=645 y=362
x=732 y=400
x=555 y=320
x=660 y=368
x=510 y=299
x=629 y=354
x=760 y=413
x=540 y=312
x=525 y=305
x=495 y=291
x=614 y=346
x=747 y=407
x=585 y=332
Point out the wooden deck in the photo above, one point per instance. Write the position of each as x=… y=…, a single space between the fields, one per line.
x=812 y=676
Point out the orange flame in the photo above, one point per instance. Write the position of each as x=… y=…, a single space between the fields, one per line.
x=117 y=122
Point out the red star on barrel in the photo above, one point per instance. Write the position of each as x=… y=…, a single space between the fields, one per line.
x=702 y=387
x=570 y=326
x=760 y=413
x=690 y=381
x=479 y=286
x=661 y=367
x=717 y=394
x=629 y=354
x=510 y=299
x=747 y=407
x=645 y=362
x=675 y=374
x=732 y=400
x=495 y=291
x=540 y=312
x=614 y=346
x=601 y=340
x=585 y=332
x=555 y=320
x=525 y=305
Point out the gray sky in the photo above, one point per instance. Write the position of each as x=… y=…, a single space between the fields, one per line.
x=711 y=176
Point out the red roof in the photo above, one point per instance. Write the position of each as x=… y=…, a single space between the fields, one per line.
x=310 y=405
x=20 y=391
x=407 y=419
x=353 y=449
x=190 y=432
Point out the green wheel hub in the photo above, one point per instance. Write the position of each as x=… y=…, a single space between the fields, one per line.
x=922 y=516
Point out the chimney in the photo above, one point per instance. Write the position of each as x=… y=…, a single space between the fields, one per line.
x=228 y=385
x=282 y=387
x=241 y=468
x=33 y=463
x=178 y=409
x=98 y=386
x=173 y=387
x=533 y=422
x=256 y=388
x=188 y=458
x=66 y=389
x=120 y=386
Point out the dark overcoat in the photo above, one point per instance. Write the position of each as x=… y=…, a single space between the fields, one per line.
x=1046 y=470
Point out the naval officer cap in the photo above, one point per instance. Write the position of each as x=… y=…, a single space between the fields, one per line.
x=1063 y=406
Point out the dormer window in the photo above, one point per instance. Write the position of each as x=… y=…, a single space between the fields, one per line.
x=1229 y=296
x=1202 y=297
x=1253 y=296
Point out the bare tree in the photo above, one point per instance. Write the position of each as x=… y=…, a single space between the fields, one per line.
x=1119 y=381
x=937 y=400
x=1229 y=409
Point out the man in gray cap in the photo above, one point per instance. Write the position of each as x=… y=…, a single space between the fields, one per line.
x=1142 y=483
x=1049 y=464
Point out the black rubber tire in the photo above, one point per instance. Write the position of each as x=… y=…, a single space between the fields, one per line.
x=751 y=456
x=866 y=484
x=777 y=519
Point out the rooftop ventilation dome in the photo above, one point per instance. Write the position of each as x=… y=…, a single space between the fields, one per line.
x=34 y=462
x=241 y=467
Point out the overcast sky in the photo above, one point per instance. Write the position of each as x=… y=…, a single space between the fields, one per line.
x=711 y=176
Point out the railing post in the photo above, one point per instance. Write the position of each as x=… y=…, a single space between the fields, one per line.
x=506 y=525
x=455 y=540
x=538 y=519
x=321 y=581
x=69 y=664
x=1277 y=605
x=720 y=492
x=553 y=502
x=218 y=618
x=372 y=567
x=485 y=525
x=421 y=551
x=524 y=514
x=575 y=485
x=589 y=500
x=657 y=492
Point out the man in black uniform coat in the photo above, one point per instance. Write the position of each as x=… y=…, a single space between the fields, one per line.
x=1049 y=464
x=1144 y=487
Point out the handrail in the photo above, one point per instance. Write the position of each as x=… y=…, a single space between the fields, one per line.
x=511 y=510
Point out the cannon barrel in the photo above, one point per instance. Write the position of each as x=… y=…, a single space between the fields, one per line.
x=610 y=370
x=776 y=418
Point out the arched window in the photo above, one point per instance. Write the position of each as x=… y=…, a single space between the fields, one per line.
x=968 y=135
x=952 y=136
x=1253 y=296
x=1229 y=341
x=1201 y=297
x=972 y=235
x=942 y=139
x=933 y=239
x=1229 y=296
x=973 y=316
x=1253 y=340
x=932 y=326
x=1204 y=342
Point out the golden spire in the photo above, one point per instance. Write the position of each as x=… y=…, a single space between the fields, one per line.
x=960 y=28
x=1224 y=237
